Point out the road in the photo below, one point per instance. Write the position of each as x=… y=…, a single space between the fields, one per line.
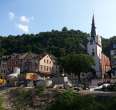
x=100 y=93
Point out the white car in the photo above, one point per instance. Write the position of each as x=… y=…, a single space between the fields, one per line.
x=99 y=87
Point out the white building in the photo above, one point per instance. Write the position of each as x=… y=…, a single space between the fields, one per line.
x=94 y=48
x=47 y=65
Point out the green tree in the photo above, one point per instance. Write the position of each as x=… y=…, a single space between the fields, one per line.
x=77 y=63
x=58 y=43
x=2 y=51
x=64 y=29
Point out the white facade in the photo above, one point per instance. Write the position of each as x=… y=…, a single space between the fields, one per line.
x=94 y=49
x=47 y=65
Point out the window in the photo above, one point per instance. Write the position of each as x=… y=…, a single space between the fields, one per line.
x=44 y=60
x=93 y=53
x=47 y=68
x=41 y=67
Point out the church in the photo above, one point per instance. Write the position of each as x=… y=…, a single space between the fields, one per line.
x=94 y=48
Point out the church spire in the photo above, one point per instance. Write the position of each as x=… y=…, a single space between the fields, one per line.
x=93 y=31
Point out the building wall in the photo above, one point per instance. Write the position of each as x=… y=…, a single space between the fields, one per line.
x=3 y=67
x=91 y=48
x=29 y=63
x=98 y=40
x=102 y=62
x=94 y=49
x=105 y=64
x=12 y=62
x=46 y=65
x=97 y=60
x=98 y=67
x=99 y=51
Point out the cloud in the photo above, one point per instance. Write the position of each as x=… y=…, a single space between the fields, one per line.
x=24 y=28
x=21 y=22
x=24 y=20
x=11 y=15
x=24 y=24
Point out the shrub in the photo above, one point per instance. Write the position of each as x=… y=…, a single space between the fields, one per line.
x=39 y=90
x=21 y=99
x=71 y=101
x=1 y=103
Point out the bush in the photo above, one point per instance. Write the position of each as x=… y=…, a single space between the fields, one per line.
x=71 y=101
x=1 y=103
x=68 y=100
x=39 y=90
x=21 y=99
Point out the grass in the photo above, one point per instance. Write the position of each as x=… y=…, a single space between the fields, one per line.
x=1 y=103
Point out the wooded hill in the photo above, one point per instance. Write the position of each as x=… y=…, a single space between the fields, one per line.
x=58 y=43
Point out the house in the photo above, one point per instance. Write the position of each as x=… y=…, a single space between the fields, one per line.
x=28 y=62
x=12 y=62
x=47 y=65
x=44 y=64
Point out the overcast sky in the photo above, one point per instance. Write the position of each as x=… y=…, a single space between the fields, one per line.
x=34 y=16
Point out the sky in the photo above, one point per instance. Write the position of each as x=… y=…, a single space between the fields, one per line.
x=34 y=16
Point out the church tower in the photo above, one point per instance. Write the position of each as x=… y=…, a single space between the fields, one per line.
x=93 y=31
x=94 y=48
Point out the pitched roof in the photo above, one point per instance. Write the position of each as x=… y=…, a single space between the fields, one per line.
x=22 y=56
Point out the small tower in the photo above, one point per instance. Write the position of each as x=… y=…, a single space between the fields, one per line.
x=94 y=48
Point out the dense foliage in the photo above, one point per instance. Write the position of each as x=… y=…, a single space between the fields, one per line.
x=23 y=99
x=58 y=43
x=107 y=44
x=77 y=63
x=71 y=101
